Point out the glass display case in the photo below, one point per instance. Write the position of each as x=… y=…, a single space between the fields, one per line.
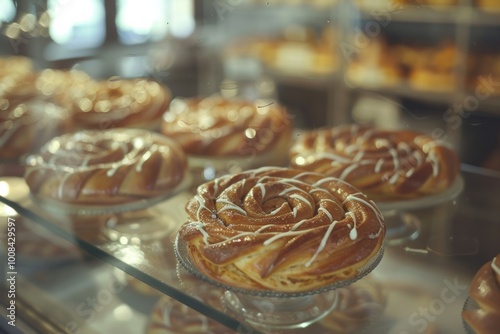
x=428 y=66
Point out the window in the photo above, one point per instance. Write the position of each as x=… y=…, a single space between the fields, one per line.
x=77 y=23
x=140 y=21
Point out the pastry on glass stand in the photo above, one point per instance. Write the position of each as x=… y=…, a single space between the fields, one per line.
x=399 y=169
x=228 y=135
x=280 y=238
x=119 y=171
x=481 y=312
x=134 y=103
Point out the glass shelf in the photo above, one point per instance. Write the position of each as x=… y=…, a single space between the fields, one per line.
x=410 y=274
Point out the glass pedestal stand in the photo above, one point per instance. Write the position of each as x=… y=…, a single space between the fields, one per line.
x=268 y=309
x=402 y=226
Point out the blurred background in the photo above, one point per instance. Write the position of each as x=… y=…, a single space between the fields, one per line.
x=428 y=65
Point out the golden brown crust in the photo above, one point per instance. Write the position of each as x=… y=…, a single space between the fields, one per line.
x=121 y=103
x=220 y=127
x=386 y=165
x=106 y=167
x=485 y=290
x=281 y=229
x=25 y=127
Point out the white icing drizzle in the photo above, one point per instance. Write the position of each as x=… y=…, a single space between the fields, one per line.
x=410 y=172
x=358 y=156
x=333 y=157
x=110 y=172
x=322 y=243
x=394 y=178
x=348 y=170
x=404 y=147
x=263 y=228
x=495 y=266
x=294 y=212
x=145 y=157
x=395 y=160
x=351 y=148
x=353 y=235
x=216 y=185
x=286 y=191
x=282 y=235
x=419 y=158
x=199 y=227
x=9 y=133
x=262 y=190
x=434 y=163
x=378 y=165
x=230 y=206
x=201 y=206
x=325 y=211
x=61 y=185
x=85 y=161
x=276 y=210
x=301 y=198
x=330 y=179
x=297 y=225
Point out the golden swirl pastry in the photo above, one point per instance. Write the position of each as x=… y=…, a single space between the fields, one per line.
x=25 y=127
x=105 y=167
x=485 y=290
x=16 y=81
x=63 y=87
x=281 y=229
x=121 y=103
x=171 y=316
x=220 y=127
x=358 y=304
x=386 y=165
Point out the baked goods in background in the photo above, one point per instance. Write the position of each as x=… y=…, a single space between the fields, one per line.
x=488 y=5
x=282 y=230
x=114 y=103
x=103 y=167
x=384 y=164
x=373 y=66
x=226 y=128
x=485 y=291
x=26 y=126
x=17 y=79
x=297 y=50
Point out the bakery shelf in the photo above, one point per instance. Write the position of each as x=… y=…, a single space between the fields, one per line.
x=412 y=274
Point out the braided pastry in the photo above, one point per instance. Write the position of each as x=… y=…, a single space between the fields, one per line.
x=386 y=165
x=121 y=103
x=281 y=229
x=485 y=290
x=219 y=127
x=16 y=81
x=106 y=167
x=28 y=125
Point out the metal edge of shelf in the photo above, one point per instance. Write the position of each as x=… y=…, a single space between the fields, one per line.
x=168 y=290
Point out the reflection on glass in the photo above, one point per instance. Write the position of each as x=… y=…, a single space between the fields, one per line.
x=139 y=21
x=77 y=23
x=7 y=10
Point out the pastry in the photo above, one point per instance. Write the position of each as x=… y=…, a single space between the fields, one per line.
x=97 y=167
x=26 y=126
x=386 y=165
x=121 y=103
x=63 y=87
x=488 y=5
x=281 y=229
x=16 y=81
x=374 y=66
x=218 y=127
x=485 y=291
